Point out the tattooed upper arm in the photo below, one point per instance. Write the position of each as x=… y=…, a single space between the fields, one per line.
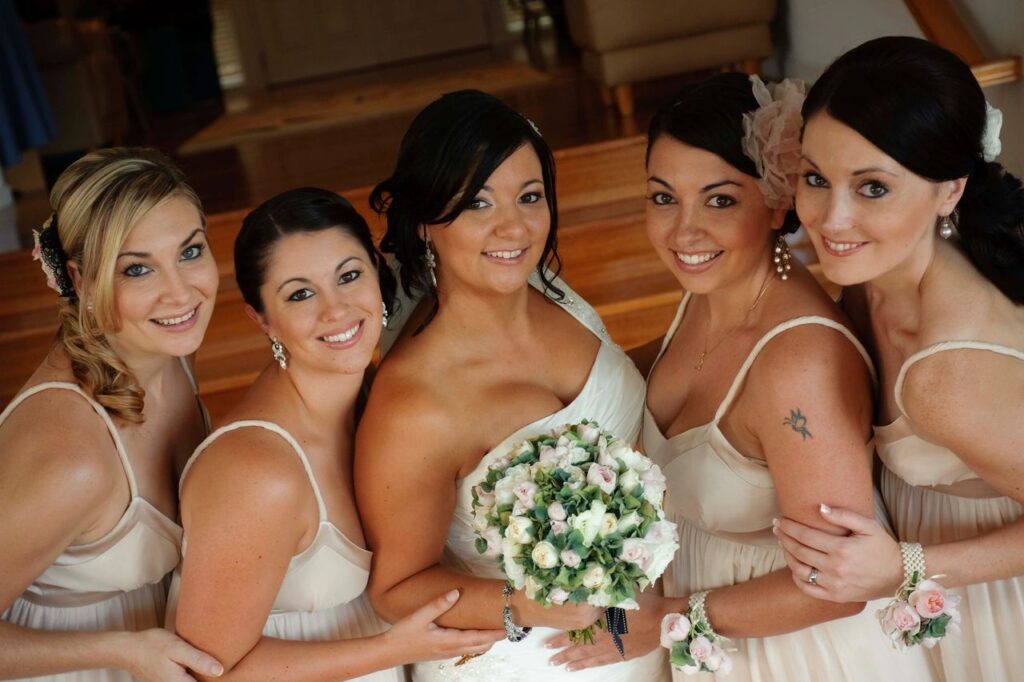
x=808 y=398
x=798 y=422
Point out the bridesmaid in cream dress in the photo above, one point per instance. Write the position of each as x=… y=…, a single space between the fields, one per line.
x=906 y=207
x=274 y=566
x=759 y=401
x=499 y=349
x=89 y=448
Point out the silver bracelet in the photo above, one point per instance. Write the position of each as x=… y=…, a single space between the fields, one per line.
x=513 y=632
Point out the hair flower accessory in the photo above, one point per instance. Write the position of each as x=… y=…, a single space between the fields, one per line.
x=771 y=138
x=990 y=143
x=52 y=259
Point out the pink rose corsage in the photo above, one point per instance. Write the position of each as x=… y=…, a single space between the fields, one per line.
x=922 y=612
x=693 y=645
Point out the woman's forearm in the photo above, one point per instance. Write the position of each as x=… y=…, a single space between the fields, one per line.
x=479 y=606
x=27 y=652
x=770 y=605
x=996 y=555
x=280 y=659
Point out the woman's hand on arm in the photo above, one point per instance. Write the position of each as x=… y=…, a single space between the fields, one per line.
x=949 y=401
x=809 y=397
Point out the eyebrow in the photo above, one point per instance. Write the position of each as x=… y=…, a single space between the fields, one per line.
x=339 y=266
x=143 y=254
x=706 y=188
x=862 y=171
x=525 y=184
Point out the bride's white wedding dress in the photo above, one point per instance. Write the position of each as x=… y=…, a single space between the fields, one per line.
x=613 y=395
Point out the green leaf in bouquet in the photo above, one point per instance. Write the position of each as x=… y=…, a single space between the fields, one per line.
x=631 y=502
x=481 y=545
x=680 y=654
x=504 y=515
x=540 y=512
x=579 y=595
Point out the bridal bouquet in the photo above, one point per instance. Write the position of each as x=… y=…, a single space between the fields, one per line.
x=576 y=516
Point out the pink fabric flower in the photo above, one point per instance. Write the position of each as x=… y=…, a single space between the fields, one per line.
x=701 y=649
x=931 y=600
x=771 y=138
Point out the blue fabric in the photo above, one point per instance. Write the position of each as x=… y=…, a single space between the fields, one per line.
x=25 y=118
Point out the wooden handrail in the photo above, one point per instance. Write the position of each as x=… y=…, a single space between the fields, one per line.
x=942 y=25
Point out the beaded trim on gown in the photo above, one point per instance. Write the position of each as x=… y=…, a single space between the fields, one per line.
x=723 y=503
x=613 y=396
x=934 y=497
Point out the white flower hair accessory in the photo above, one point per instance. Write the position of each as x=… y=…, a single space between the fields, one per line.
x=771 y=138
x=990 y=143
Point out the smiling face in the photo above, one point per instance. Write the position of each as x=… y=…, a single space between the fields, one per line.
x=865 y=213
x=707 y=221
x=497 y=241
x=321 y=299
x=165 y=283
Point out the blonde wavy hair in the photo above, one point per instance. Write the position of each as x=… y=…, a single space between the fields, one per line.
x=97 y=202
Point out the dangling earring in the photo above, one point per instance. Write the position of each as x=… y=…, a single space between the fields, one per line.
x=430 y=262
x=278 y=350
x=384 y=316
x=781 y=258
x=945 y=227
x=88 y=306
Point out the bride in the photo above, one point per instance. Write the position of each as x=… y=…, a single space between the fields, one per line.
x=499 y=349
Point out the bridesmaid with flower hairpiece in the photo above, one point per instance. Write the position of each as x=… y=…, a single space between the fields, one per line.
x=908 y=209
x=758 y=404
x=90 y=447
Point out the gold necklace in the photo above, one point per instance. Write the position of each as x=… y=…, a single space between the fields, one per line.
x=707 y=325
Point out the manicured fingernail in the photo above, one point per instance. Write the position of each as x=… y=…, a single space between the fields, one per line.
x=775 y=529
x=452 y=596
x=218 y=670
x=775 y=523
x=825 y=509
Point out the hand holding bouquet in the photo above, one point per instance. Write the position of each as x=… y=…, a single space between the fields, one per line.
x=576 y=516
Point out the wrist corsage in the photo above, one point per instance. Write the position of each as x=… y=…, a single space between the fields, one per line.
x=922 y=612
x=693 y=644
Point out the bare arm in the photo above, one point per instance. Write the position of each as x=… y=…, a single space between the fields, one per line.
x=949 y=398
x=55 y=484
x=248 y=508
x=406 y=494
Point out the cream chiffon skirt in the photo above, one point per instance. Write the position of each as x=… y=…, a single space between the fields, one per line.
x=990 y=647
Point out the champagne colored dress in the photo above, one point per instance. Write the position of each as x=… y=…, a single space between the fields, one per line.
x=723 y=502
x=323 y=594
x=933 y=497
x=113 y=583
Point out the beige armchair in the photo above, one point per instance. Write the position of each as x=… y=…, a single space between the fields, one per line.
x=626 y=42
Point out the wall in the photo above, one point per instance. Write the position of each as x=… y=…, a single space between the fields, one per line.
x=820 y=30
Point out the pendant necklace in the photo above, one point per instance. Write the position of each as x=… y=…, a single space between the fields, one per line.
x=707 y=325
